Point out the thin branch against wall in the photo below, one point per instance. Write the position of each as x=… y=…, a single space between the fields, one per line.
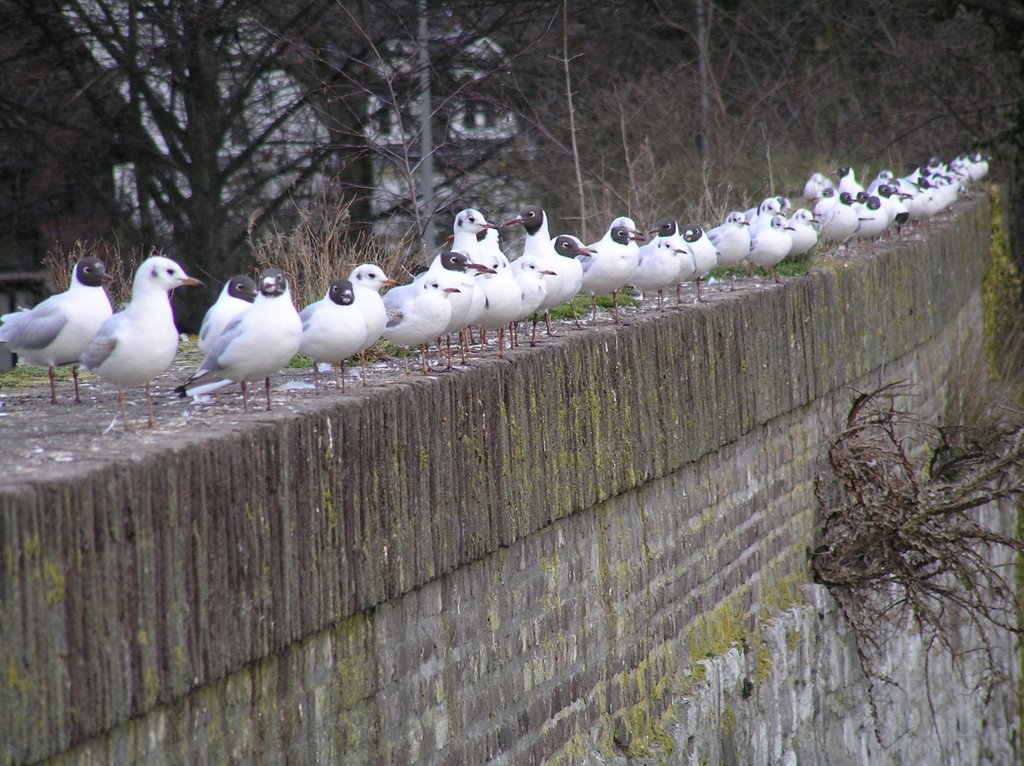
x=902 y=536
x=572 y=115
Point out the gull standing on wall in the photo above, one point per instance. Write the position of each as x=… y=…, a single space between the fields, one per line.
x=256 y=344
x=57 y=330
x=135 y=345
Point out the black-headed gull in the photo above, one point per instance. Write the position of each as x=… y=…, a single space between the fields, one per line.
x=564 y=281
x=504 y=296
x=333 y=329
x=839 y=222
x=815 y=185
x=847 y=181
x=367 y=280
x=705 y=256
x=731 y=239
x=802 y=232
x=892 y=200
x=872 y=220
x=566 y=263
x=661 y=260
x=57 y=330
x=532 y=276
x=135 y=345
x=468 y=232
x=451 y=269
x=235 y=297
x=418 y=315
x=255 y=344
x=769 y=246
x=610 y=267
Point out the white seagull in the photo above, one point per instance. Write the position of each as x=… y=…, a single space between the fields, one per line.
x=255 y=344
x=840 y=222
x=802 y=231
x=771 y=245
x=504 y=296
x=367 y=280
x=661 y=259
x=731 y=239
x=872 y=220
x=848 y=181
x=532 y=276
x=567 y=248
x=333 y=329
x=610 y=267
x=468 y=232
x=566 y=273
x=417 y=316
x=705 y=257
x=135 y=345
x=236 y=296
x=57 y=330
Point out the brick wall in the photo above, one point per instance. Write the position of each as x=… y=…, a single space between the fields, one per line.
x=544 y=559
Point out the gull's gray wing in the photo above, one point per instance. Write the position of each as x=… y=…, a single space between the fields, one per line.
x=98 y=351
x=204 y=328
x=33 y=329
x=395 y=318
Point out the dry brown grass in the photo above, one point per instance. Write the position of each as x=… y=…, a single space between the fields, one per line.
x=319 y=248
x=60 y=263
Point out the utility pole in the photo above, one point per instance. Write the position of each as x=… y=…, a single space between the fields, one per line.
x=704 y=105
x=426 y=135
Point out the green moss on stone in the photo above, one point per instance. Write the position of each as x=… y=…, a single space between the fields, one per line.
x=54 y=579
x=1000 y=290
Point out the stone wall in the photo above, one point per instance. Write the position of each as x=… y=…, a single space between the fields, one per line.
x=551 y=557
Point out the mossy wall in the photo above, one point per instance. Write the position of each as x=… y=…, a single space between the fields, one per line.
x=529 y=558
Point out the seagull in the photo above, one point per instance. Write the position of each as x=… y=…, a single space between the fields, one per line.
x=504 y=296
x=761 y=216
x=881 y=179
x=333 y=329
x=452 y=269
x=566 y=263
x=468 y=232
x=135 y=345
x=872 y=220
x=367 y=281
x=255 y=344
x=532 y=277
x=893 y=201
x=661 y=260
x=815 y=185
x=769 y=246
x=564 y=281
x=731 y=239
x=609 y=268
x=705 y=257
x=417 y=316
x=535 y=221
x=840 y=222
x=848 y=181
x=237 y=295
x=470 y=237
x=57 y=330
x=802 y=231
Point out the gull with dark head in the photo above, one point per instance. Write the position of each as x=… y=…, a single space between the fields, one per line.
x=57 y=330
x=255 y=344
